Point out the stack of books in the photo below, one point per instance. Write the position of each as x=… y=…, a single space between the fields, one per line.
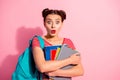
x=51 y=52
x=59 y=52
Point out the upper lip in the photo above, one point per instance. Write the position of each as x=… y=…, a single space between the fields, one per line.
x=53 y=30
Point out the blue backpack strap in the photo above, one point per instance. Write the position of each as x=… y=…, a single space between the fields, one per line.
x=41 y=41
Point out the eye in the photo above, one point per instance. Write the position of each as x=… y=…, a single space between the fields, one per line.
x=48 y=22
x=57 y=22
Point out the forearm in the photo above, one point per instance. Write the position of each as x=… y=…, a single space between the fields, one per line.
x=54 y=65
x=72 y=72
x=69 y=73
x=46 y=66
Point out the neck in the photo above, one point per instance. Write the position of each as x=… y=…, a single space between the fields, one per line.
x=52 y=38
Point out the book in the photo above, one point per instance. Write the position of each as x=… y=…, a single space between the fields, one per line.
x=50 y=52
x=64 y=53
x=53 y=54
x=57 y=52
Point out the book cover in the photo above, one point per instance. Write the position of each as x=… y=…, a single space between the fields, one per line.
x=50 y=54
x=53 y=54
x=57 y=52
x=50 y=51
x=65 y=52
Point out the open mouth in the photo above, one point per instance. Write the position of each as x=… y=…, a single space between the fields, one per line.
x=53 y=31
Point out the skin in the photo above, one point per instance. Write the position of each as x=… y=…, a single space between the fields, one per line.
x=54 y=22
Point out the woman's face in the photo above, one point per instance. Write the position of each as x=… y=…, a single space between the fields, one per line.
x=53 y=24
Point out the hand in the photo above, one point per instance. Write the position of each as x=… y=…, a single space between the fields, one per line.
x=52 y=73
x=75 y=58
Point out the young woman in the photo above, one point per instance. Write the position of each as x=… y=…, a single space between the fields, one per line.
x=53 y=21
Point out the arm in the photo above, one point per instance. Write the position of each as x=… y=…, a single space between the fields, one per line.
x=46 y=66
x=72 y=72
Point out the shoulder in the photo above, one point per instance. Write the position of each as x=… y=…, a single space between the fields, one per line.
x=69 y=43
x=67 y=40
x=35 y=42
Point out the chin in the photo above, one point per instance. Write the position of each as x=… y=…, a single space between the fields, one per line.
x=52 y=35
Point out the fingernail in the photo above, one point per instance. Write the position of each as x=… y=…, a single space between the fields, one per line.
x=77 y=54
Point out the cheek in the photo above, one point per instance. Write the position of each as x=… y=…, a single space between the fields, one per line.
x=59 y=28
x=47 y=26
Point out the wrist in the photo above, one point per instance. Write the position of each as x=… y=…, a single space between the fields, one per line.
x=69 y=61
x=53 y=73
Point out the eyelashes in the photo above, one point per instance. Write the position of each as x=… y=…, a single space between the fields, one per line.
x=50 y=22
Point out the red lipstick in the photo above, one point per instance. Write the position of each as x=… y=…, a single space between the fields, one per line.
x=53 y=31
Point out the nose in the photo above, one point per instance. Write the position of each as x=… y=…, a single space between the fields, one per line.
x=53 y=25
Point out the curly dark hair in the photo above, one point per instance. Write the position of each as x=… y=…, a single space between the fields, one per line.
x=47 y=11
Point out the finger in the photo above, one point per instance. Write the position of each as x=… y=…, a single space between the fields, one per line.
x=46 y=73
x=78 y=54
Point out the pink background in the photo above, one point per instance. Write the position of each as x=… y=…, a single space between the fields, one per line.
x=93 y=26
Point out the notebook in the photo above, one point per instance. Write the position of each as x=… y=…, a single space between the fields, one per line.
x=57 y=53
x=64 y=53
x=50 y=52
x=53 y=54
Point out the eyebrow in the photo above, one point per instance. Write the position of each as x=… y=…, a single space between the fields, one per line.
x=58 y=19
x=48 y=19
x=51 y=19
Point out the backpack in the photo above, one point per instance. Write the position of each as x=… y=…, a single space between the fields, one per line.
x=25 y=68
